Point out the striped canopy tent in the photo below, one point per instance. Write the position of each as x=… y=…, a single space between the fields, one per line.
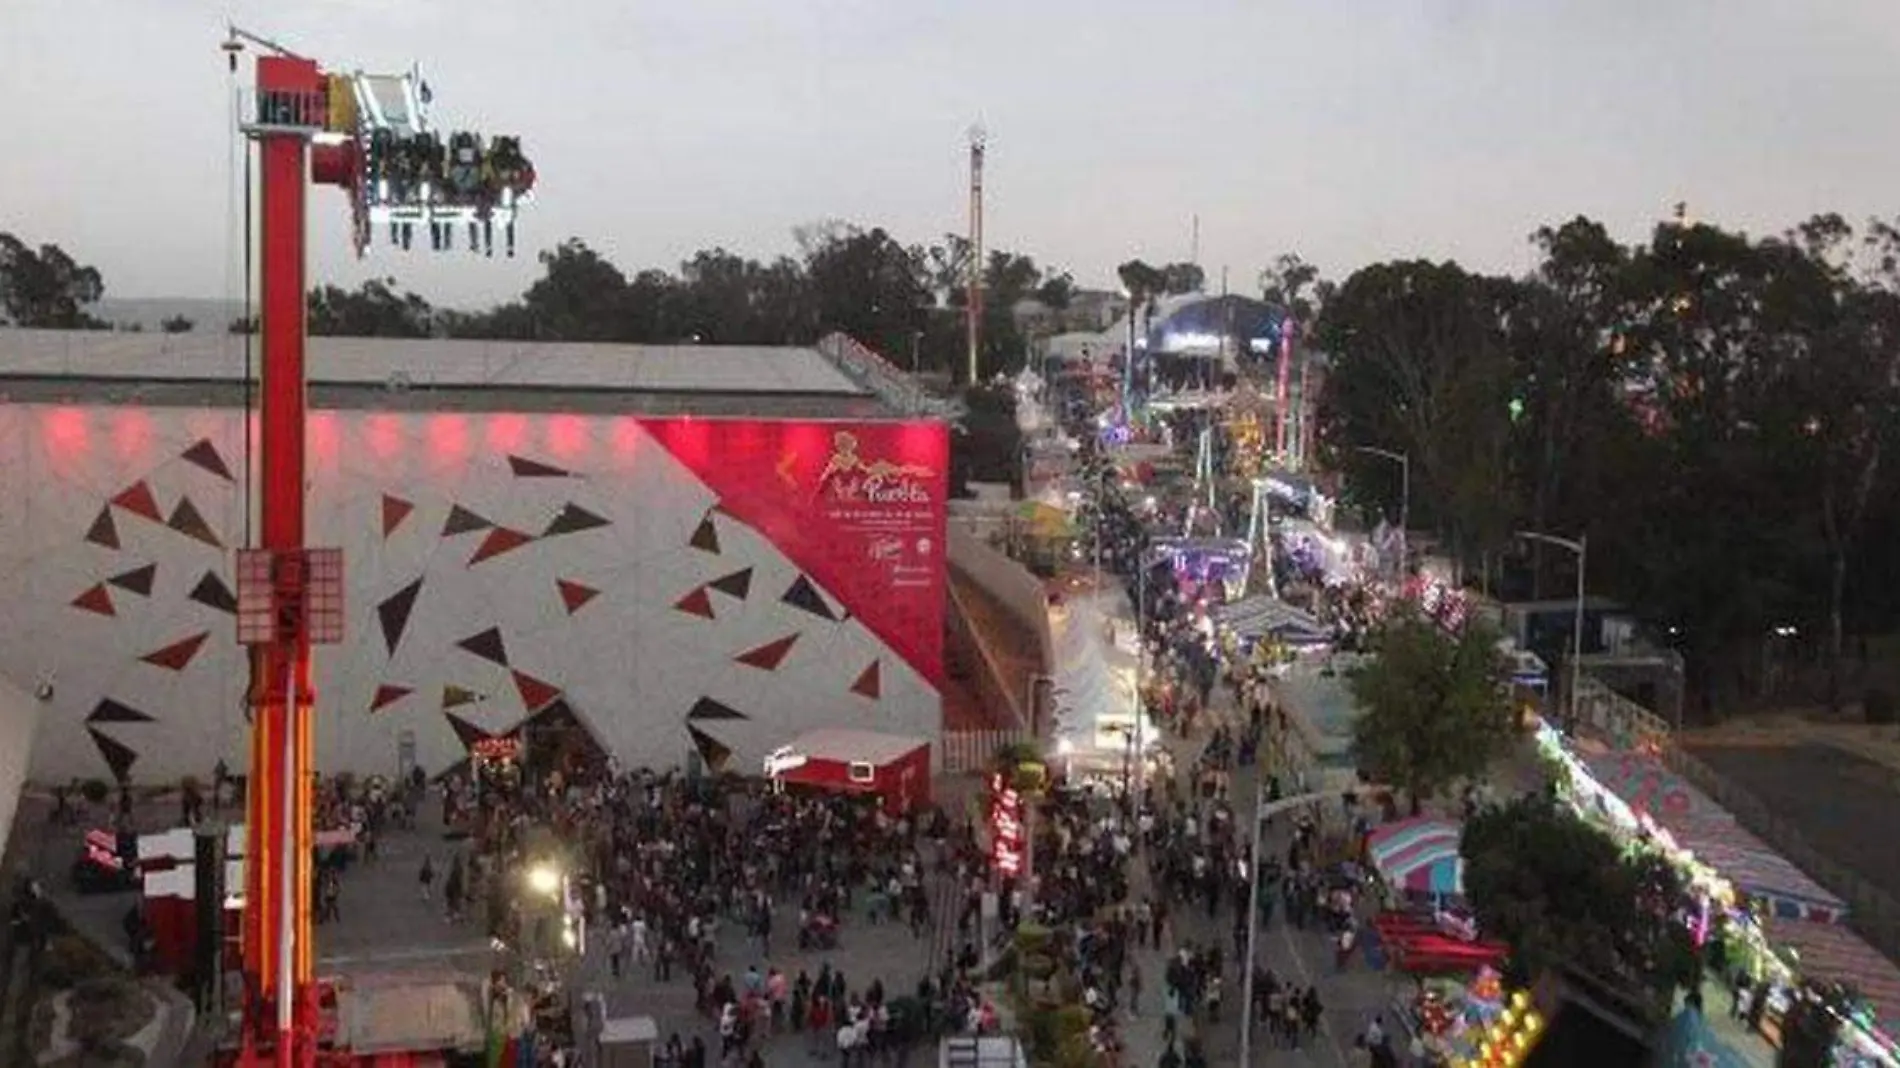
x=1262 y=615
x=1709 y=831
x=1647 y=786
x=1419 y=855
x=1835 y=954
x=1747 y=861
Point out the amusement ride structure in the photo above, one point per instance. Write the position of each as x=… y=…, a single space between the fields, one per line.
x=369 y=135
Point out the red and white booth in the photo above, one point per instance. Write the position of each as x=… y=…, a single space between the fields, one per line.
x=893 y=767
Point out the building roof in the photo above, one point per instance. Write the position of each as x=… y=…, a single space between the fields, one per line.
x=827 y=380
x=868 y=747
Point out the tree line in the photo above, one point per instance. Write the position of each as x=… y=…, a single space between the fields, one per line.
x=1713 y=410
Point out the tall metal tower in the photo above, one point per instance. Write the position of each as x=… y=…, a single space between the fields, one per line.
x=367 y=135
x=973 y=306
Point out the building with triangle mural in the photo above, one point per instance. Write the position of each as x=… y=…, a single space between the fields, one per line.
x=689 y=555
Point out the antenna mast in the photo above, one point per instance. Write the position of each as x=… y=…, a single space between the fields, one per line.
x=973 y=306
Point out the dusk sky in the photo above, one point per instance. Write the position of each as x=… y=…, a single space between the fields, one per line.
x=1346 y=130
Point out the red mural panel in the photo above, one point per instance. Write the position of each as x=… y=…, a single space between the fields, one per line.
x=859 y=506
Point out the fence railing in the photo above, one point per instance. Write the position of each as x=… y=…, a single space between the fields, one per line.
x=992 y=682
x=968 y=751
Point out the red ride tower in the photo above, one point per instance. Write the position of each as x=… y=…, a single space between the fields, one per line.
x=370 y=136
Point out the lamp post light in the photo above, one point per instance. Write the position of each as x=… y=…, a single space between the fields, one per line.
x=1580 y=545
x=1404 y=460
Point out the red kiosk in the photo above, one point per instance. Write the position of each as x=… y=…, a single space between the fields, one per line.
x=892 y=767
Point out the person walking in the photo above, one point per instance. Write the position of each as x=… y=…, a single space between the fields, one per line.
x=426 y=877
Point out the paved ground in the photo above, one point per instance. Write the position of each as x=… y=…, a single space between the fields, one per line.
x=1842 y=803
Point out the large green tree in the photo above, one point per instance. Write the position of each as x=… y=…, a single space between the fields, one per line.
x=1559 y=891
x=46 y=288
x=1434 y=707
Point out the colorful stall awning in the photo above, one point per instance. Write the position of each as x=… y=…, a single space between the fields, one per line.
x=1831 y=953
x=1706 y=829
x=1419 y=854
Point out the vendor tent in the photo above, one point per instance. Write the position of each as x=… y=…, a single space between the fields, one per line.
x=1831 y=953
x=1419 y=855
x=1262 y=615
x=1709 y=831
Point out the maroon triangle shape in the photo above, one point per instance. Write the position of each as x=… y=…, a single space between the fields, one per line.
x=97 y=599
x=177 y=656
x=711 y=750
x=498 y=541
x=535 y=694
x=137 y=499
x=696 y=603
x=395 y=510
x=387 y=695
x=526 y=468
x=574 y=595
x=461 y=521
x=103 y=530
x=205 y=455
x=870 y=682
x=139 y=580
x=769 y=656
x=488 y=645
x=186 y=520
x=118 y=756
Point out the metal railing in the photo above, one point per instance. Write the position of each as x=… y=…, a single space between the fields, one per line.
x=875 y=373
x=975 y=750
x=991 y=680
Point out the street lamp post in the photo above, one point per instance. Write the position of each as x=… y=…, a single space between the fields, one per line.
x=1404 y=460
x=1580 y=545
x=1263 y=811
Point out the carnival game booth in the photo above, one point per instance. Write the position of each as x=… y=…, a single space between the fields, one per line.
x=893 y=768
x=1418 y=859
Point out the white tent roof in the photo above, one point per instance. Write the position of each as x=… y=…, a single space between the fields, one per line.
x=855 y=746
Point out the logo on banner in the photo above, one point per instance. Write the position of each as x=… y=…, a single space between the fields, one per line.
x=850 y=477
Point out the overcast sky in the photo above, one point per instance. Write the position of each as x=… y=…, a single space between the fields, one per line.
x=1346 y=130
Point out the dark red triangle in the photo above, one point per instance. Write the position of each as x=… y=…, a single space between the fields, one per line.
x=393 y=614
x=177 y=656
x=535 y=694
x=213 y=593
x=139 y=580
x=186 y=520
x=769 y=656
x=870 y=682
x=103 y=530
x=498 y=541
x=738 y=584
x=205 y=455
x=461 y=521
x=705 y=536
x=118 y=756
x=137 y=499
x=572 y=519
x=111 y=711
x=526 y=468
x=711 y=750
x=387 y=695
x=487 y=645
x=96 y=599
x=574 y=595
x=696 y=603
x=395 y=510
x=465 y=732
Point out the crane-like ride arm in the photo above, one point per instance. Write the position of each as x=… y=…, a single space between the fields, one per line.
x=371 y=136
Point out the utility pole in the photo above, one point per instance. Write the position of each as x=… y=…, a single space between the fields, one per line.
x=973 y=305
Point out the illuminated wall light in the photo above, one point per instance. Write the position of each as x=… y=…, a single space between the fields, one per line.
x=325 y=438
x=627 y=435
x=448 y=437
x=131 y=433
x=65 y=432
x=506 y=431
x=383 y=433
x=566 y=435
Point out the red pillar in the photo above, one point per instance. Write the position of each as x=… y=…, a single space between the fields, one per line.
x=278 y=848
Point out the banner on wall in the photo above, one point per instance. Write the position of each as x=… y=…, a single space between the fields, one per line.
x=859 y=506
